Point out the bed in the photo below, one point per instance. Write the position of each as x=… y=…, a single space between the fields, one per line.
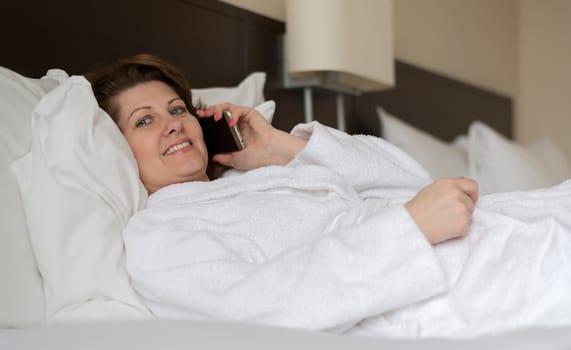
x=220 y=47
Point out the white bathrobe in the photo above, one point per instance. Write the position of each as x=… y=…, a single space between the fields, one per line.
x=326 y=243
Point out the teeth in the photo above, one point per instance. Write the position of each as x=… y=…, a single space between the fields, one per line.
x=176 y=148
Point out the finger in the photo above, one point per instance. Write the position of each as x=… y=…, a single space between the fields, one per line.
x=215 y=110
x=222 y=158
x=467 y=202
x=238 y=113
x=227 y=159
x=235 y=112
x=470 y=187
x=207 y=111
x=224 y=106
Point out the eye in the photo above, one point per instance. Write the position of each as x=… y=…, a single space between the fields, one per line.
x=144 y=121
x=178 y=110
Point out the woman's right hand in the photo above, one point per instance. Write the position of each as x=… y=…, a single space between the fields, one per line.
x=443 y=209
x=265 y=145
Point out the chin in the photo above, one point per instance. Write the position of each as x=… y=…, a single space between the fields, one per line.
x=188 y=175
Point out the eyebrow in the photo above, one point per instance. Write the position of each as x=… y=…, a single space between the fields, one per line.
x=148 y=107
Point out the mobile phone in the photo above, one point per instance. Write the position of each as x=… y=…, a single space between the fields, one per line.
x=219 y=136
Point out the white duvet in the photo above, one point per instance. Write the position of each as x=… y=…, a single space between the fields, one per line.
x=326 y=243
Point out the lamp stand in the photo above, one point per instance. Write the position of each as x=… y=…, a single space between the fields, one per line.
x=339 y=105
x=307 y=104
x=340 y=111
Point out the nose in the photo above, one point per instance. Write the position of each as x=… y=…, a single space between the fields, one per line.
x=173 y=125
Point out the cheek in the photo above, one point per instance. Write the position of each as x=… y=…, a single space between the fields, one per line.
x=192 y=124
x=143 y=149
x=195 y=131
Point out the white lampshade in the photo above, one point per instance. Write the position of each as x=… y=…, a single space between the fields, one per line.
x=342 y=43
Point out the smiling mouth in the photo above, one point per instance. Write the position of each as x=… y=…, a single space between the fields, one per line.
x=178 y=147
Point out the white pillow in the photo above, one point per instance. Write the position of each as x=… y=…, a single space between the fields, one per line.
x=249 y=93
x=21 y=294
x=500 y=165
x=267 y=109
x=439 y=158
x=80 y=186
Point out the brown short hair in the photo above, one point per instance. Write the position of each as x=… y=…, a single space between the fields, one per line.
x=126 y=73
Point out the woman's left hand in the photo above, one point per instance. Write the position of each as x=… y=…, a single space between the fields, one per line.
x=265 y=145
x=443 y=209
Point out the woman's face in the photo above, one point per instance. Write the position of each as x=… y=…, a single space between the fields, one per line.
x=165 y=138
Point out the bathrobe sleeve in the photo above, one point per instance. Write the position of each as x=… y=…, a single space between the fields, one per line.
x=374 y=167
x=330 y=283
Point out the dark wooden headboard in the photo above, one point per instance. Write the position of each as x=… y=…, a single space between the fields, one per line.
x=214 y=43
x=217 y=44
x=444 y=107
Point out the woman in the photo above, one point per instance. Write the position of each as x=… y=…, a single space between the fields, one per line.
x=127 y=90
x=323 y=230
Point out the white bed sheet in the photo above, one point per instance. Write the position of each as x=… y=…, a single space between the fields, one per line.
x=171 y=335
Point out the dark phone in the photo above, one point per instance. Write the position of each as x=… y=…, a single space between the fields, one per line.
x=219 y=136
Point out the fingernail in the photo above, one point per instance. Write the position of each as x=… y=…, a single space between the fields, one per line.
x=199 y=112
x=206 y=112
x=232 y=122
x=216 y=116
